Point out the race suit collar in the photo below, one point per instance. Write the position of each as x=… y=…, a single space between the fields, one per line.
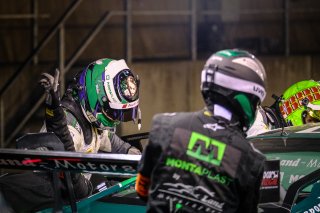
x=222 y=112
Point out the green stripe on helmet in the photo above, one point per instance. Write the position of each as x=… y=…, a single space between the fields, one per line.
x=94 y=79
x=246 y=107
x=231 y=53
x=106 y=122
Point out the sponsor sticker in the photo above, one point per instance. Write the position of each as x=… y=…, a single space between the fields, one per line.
x=270 y=184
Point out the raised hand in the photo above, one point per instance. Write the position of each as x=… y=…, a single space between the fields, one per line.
x=50 y=84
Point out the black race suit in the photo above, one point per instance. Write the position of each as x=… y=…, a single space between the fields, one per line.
x=199 y=163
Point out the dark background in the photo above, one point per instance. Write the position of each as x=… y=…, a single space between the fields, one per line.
x=166 y=42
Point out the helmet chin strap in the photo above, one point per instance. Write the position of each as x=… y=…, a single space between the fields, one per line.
x=139 y=118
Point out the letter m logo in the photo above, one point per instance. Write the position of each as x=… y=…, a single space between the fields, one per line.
x=206 y=149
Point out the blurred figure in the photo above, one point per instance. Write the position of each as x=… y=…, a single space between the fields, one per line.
x=299 y=104
x=201 y=161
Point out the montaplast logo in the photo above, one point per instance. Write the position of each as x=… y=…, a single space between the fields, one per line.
x=199 y=142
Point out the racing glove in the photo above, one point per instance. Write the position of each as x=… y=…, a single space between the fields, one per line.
x=134 y=151
x=55 y=117
x=142 y=186
x=50 y=84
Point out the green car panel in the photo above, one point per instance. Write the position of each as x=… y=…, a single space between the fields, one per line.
x=297 y=148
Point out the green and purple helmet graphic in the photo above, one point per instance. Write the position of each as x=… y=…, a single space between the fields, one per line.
x=109 y=92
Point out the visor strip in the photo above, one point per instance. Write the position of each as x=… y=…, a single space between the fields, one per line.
x=234 y=83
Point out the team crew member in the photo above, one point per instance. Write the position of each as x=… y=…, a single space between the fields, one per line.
x=201 y=161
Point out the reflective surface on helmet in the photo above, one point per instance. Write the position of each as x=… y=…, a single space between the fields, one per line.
x=313 y=116
x=126 y=86
x=310 y=117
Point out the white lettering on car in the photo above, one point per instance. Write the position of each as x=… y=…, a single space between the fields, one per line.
x=315 y=208
x=294 y=178
x=291 y=163
x=314 y=163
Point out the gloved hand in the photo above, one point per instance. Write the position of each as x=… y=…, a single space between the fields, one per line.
x=50 y=84
x=134 y=151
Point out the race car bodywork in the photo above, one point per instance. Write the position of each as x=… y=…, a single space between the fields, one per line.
x=295 y=150
x=119 y=197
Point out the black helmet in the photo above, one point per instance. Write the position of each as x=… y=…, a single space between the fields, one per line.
x=236 y=80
